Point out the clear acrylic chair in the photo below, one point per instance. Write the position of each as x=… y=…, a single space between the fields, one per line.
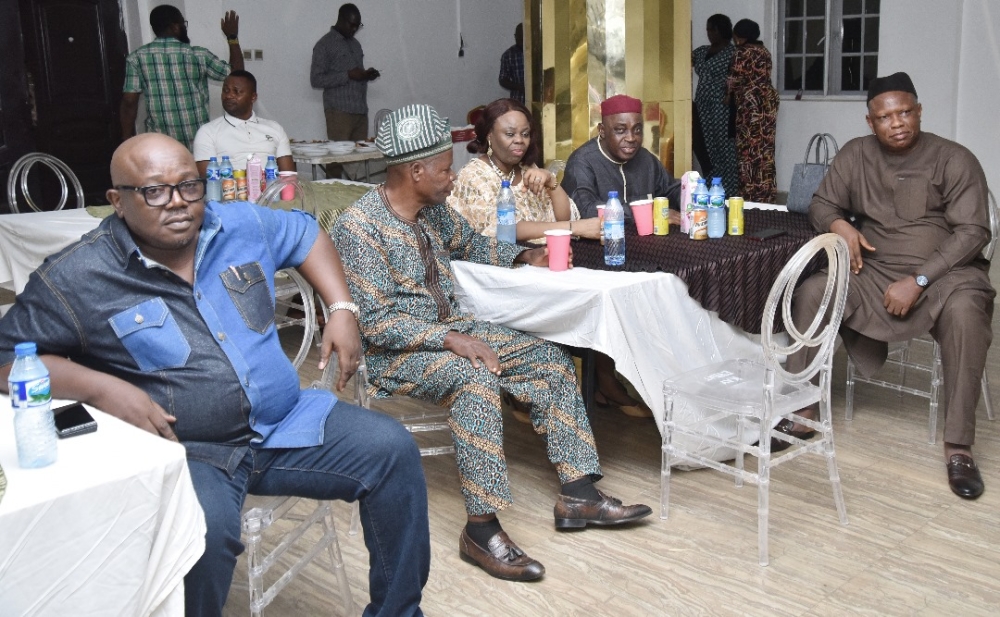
x=18 y=178
x=295 y=306
x=759 y=394
x=261 y=513
x=923 y=354
x=426 y=421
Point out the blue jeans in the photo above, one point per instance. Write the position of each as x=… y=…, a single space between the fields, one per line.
x=366 y=456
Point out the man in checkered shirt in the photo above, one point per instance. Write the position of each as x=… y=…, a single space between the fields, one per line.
x=174 y=76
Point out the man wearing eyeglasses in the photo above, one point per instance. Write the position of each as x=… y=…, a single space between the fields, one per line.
x=173 y=75
x=338 y=68
x=164 y=317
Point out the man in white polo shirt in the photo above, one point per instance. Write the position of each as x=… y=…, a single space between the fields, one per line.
x=240 y=132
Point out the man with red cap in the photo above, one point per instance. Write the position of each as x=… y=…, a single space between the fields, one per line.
x=919 y=202
x=616 y=161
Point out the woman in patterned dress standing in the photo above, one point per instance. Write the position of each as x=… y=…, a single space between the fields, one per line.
x=711 y=64
x=756 y=113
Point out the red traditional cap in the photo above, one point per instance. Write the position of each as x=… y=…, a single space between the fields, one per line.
x=621 y=104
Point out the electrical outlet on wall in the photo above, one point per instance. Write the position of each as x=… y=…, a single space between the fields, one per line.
x=247 y=55
x=258 y=54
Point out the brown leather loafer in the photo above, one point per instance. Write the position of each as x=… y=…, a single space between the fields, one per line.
x=573 y=513
x=963 y=476
x=502 y=558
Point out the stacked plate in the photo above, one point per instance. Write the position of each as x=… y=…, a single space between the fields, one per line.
x=309 y=149
x=365 y=146
x=339 y=147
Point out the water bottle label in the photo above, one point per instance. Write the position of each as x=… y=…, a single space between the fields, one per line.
x=29 y=393
x=702 y=199
x=213 y=174
x=614 y=230
x=506 y=217
x=270 y=173
x=717 y=201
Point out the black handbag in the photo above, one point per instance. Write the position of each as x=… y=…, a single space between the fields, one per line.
x=807 y=175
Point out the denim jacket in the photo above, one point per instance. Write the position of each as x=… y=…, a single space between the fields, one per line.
x=209 y=353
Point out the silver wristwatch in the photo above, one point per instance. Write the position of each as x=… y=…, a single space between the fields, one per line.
x=345 y=306
x=922 y=281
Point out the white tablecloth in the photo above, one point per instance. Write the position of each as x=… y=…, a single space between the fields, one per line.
x=646 y=322
x=110 y=529
x=27 y=239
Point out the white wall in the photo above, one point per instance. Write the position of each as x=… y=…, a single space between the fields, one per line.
x=413 y=43
x=950 y=49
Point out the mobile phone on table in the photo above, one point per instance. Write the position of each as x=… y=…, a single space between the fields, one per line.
x=74 y=419
x=764 y=234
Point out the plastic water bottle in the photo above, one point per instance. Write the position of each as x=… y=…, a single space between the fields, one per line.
x=699 y=211
x=34 y=425
x=506 y=219
x=228 y=181
x=614 y=231
x=270 y=172
x=213 y=188
x=716 y=209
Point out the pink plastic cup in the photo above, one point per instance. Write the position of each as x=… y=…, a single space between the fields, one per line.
x=558 y=242
x=288 y=192
x=600 y=212
x=642 y=212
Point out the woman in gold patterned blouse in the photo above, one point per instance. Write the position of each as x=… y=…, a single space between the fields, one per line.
x=508 y=150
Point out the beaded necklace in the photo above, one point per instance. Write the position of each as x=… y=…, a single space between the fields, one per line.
x=509 y=178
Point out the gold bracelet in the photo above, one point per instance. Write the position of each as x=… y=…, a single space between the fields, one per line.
x=233 y=41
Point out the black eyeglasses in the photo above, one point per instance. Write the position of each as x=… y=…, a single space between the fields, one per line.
x=159 y=195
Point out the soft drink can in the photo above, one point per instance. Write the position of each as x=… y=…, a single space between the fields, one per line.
x=735 y=216
x=661 y=216
x=229 y=189
x=241 y=184
x=699 y=224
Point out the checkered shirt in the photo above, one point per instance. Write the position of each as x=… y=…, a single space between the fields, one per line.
x=173 y=76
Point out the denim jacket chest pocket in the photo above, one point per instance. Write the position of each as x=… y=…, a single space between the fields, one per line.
x=151 y=335
x=247 y=287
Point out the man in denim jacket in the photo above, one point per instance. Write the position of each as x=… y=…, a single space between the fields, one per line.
x=163 y=316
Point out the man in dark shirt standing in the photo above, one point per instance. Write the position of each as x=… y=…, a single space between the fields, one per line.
x=338 y=68
x=512 y=66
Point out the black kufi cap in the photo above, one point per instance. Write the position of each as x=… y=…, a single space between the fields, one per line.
x=897 y=82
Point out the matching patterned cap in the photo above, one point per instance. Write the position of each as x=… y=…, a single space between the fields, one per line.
x=412 y=133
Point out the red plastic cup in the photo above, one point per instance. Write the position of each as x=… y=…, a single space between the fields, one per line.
x=642 y=212
x=288 y=192
x=558 y=242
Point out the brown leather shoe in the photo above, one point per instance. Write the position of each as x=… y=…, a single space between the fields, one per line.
x=503 y=559
x=963 y=476
x=573 y=513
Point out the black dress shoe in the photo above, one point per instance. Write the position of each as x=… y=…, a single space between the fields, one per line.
x=501 y=558
x=787 y=427
x=573 y=513
x=963 y=476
